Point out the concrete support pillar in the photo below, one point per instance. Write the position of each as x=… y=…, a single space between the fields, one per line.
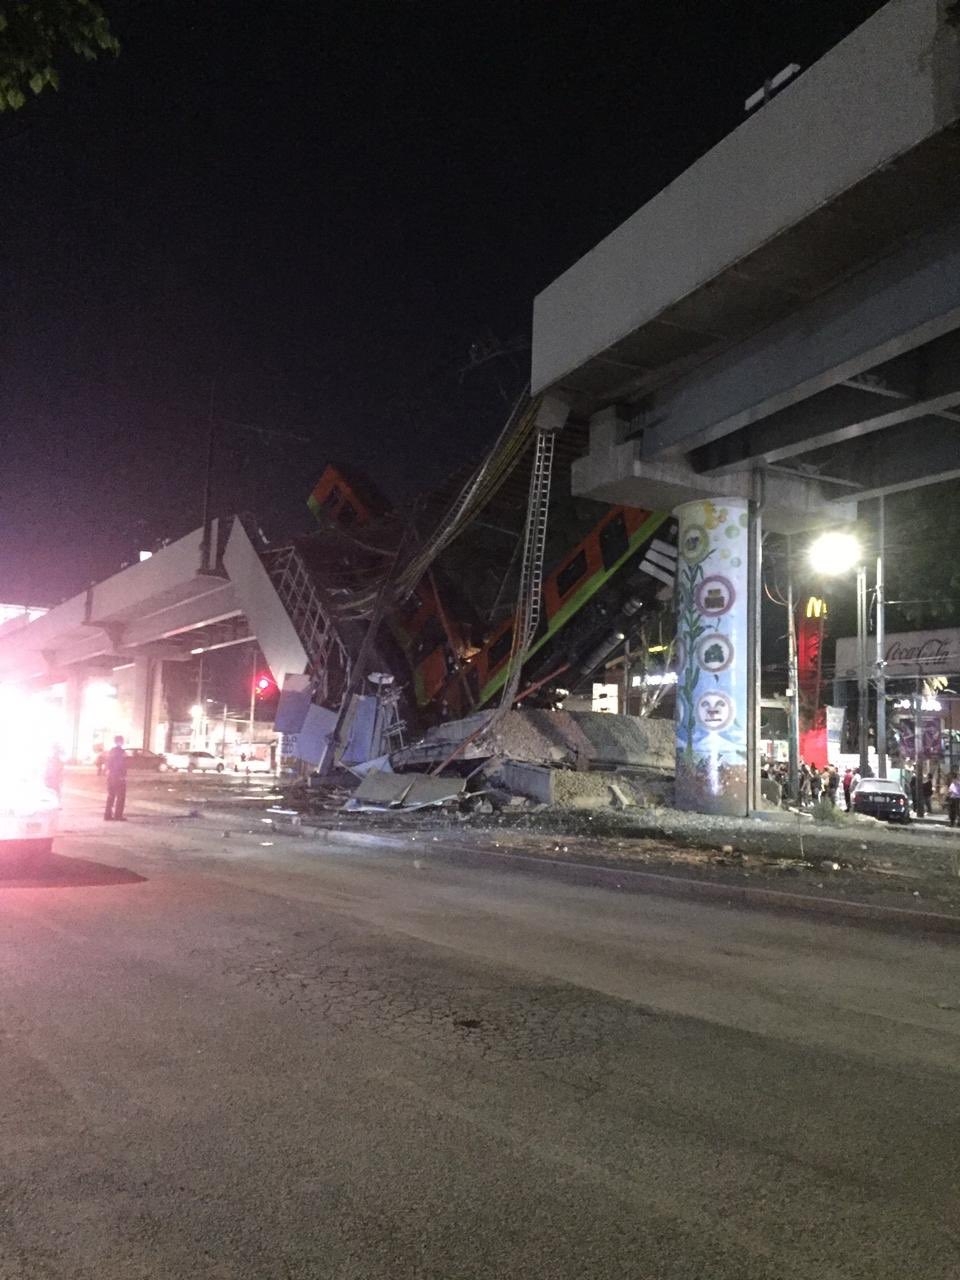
x=147 y=700
x=72 y=711
x=715 y=629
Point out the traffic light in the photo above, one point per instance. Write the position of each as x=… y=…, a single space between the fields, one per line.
x=263 y=686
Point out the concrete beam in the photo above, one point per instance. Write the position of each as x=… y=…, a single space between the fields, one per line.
x=215 y=605
x=113 y=640
x=814 y=425
x=791 y=502
x=926 y=453
x=924 y=383
x=281 y=645
x=906 y=300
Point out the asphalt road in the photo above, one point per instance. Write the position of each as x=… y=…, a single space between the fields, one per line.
x=250 y=1055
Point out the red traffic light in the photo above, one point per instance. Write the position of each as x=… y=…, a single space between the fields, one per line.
x=263 y=684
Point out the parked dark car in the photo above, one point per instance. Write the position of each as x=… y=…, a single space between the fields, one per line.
x=140 y=759
x=881 y=798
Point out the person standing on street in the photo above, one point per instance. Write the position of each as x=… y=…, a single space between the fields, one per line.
x=953 y=801
x=803 y=779
x=116 y=769
x=846 y=784
x=816 y=784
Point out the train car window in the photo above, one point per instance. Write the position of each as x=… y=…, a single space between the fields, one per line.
x=570 y=574
x=614 y=542
x=500 y=649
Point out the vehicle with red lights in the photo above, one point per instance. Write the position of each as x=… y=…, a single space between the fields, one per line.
x=29 y=817
x=29 y=808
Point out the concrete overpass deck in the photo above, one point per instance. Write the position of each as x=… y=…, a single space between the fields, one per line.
x=774 y=338
x=792 y=294
x=165 y=609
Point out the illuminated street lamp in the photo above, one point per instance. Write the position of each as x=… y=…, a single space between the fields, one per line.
x=834 y=553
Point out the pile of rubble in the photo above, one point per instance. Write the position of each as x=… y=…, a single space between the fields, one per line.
x=534 y=759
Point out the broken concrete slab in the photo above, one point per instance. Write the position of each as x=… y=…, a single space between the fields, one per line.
x=429 y=791
x=628 y=740
x=531 y=780
x=567 y=788
x=381 y=764
x=386 y=791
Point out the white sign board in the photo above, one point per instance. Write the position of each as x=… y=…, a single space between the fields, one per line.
x=911 y=653
x=606 y=697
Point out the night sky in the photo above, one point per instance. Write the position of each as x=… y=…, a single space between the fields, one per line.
x=318 y=210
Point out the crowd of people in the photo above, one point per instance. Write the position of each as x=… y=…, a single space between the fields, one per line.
x=830 y=784
x=814 y=784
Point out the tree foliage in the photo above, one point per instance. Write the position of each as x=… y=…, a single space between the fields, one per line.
x=35 y=34
x=923 y=555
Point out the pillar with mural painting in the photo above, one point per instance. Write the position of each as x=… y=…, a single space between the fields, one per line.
x=712 y=661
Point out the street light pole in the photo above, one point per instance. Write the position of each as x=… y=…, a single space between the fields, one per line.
x=863 y=712
x=793 y=681
x=881 y=644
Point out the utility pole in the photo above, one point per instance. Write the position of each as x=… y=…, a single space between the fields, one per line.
x=206 y=544
x=881 y=644
x=253 y=696
x=199 y=737
x=918 y=746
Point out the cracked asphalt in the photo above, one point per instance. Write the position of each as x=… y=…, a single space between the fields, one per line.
x=256 y=1055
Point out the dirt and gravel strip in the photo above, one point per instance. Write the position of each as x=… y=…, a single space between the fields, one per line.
x=866 y=863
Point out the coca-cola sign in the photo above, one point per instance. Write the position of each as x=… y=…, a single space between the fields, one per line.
x=911 y=653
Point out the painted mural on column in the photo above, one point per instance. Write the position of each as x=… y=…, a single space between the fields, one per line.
x=711 y=717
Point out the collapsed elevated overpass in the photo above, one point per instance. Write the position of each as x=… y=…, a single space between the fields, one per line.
x=168 y=609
